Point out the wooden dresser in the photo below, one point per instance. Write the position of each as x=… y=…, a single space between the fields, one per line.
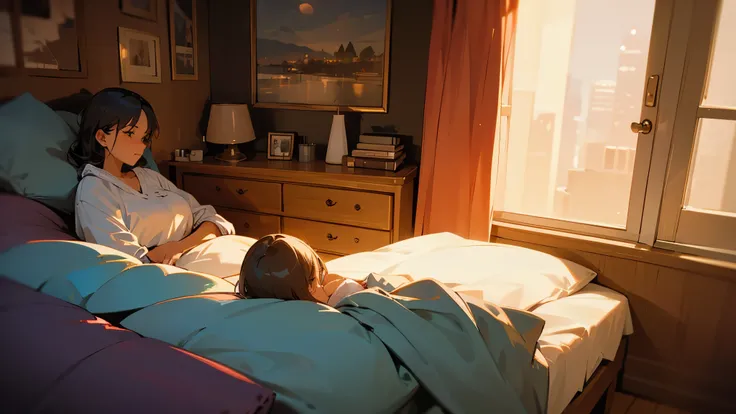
x=337 y=210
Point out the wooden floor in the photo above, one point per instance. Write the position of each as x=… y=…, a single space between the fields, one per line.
x=627 y=404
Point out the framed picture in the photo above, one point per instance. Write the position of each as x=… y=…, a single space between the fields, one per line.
x=52 y=38
x=10 y=51
x=280 y=145
x=320 y=55
x=140 y=56
x=183 y=35
x=145 y=9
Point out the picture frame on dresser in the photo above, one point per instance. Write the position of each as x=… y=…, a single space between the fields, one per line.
x=281 y=145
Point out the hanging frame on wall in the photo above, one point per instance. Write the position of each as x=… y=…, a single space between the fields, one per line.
x=43 y=38
x=140 y=56
x=300 y=60
x=183 y=39
x=11 y=54
x=144 y=10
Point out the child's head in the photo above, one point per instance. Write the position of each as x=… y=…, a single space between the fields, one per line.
x=282 y=267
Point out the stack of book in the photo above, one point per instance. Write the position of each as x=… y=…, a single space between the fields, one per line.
x=378 y=152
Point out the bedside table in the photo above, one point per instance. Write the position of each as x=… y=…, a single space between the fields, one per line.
x=335 y=209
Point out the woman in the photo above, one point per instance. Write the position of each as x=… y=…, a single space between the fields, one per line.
x=122 y=205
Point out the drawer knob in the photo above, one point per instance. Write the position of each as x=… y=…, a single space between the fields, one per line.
x=330 y=203
x=246 y=225
x=357 y=240
x=330 y=237
x=357 y=207
x=217 y=188
x=241 y=191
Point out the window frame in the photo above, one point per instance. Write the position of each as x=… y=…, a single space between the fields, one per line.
x=658 y=217
x=659 y=44
x=681 y=227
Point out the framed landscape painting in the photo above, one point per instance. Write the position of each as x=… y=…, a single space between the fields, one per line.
x=321 y=54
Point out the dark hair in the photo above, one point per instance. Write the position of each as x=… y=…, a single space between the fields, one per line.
x=109 y=108
x=281 y=267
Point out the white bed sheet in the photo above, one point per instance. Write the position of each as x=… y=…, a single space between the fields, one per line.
x=580 y=331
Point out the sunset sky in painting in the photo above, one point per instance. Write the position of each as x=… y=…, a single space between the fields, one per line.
x=325 y=25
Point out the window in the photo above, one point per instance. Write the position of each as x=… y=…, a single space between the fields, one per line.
x=579 y=76
x=699 y=207
x=586 y=73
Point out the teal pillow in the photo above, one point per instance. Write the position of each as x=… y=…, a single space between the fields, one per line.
x=71 y=269
x=176 y=321
x=78 y=285
x=33 y=152
x=144 y=285
x=72 y=120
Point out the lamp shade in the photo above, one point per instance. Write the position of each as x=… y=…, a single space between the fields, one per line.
x=230 y=124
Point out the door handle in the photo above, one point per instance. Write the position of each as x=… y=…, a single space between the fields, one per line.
x=643 y=127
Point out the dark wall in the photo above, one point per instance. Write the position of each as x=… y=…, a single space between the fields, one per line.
x=178 y=104
x=231 y=77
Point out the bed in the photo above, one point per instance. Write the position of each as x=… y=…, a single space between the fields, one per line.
x=581 y=332
x=561 y=348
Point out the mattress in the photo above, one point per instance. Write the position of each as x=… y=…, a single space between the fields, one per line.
x=580 y=331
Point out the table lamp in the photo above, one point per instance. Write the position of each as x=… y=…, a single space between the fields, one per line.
x=230 y=125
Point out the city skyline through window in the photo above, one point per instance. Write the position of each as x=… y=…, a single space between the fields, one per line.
x=579 y=75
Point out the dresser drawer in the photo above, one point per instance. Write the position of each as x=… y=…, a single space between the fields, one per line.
x=252 y=224
x=326 y=257
x=342 y=206
x=235 y=193
x=335 y=238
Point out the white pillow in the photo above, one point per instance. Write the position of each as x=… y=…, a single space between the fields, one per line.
x=221 y=256
x=508 y=276
x=427 y=243
x=359 y=265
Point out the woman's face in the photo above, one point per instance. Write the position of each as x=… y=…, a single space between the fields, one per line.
x=127 y=144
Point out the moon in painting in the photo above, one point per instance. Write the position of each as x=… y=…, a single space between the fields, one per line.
x=306 y=8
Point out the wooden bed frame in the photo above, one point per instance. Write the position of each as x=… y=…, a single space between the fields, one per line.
x=597 y=395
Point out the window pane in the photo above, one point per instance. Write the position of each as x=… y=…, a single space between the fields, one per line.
x=721 y=88
x=578 y=81
x=712 y=184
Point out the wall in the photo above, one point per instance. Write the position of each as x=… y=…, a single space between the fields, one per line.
x=682 y=350
x=231 y=77
x=178 y=104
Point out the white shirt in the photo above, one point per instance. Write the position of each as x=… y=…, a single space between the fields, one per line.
x=345 y=289
x=111 y=213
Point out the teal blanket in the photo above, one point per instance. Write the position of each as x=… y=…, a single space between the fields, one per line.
x=399 y=346
x=372 y=354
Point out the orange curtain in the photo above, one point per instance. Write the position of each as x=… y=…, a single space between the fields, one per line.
x=468 y=57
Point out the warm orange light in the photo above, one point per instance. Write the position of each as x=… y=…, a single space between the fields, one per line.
x=98 y=321
x=358 y=89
